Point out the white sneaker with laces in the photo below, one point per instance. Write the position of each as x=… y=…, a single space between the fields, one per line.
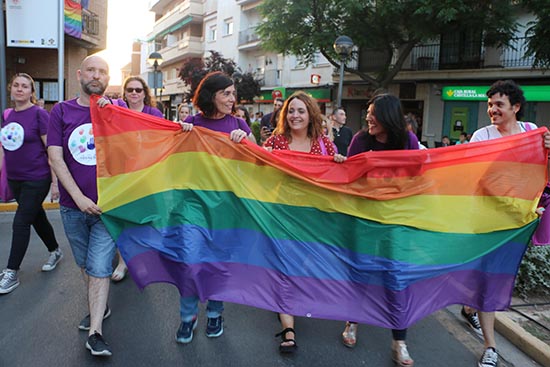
x=489 y=358
x=9 y=281
x=53 y=260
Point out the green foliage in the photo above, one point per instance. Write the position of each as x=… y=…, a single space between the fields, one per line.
x=539 y=32
x=534 y=272
x=255 y=127
x=194 y=69
x=304 y=27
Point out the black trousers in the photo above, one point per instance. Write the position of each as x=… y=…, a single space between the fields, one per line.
x=29 y=196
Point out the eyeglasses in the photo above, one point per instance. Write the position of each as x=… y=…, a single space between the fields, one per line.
x=131 y=90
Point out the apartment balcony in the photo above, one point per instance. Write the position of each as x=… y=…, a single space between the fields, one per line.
x=249 y=40
x=269 y=78
x=472 y=56
x=187 y=47
x=189 y=11
x=247 y=3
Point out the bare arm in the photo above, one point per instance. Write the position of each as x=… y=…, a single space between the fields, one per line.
x=61 y=170
x=54 y=193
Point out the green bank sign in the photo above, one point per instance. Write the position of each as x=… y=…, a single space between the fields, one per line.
x=533 y=93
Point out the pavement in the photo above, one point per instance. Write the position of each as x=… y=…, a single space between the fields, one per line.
x=516 y=346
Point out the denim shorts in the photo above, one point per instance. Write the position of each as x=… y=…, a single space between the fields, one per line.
x=92 y=246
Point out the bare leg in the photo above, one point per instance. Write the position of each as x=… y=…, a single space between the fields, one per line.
x=121 y=269
x=487 y=321
x=98 y=291
x=287 y=321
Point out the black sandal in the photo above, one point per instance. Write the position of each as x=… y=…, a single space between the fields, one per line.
x=287 y=348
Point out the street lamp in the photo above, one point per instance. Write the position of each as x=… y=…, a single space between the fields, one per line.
x=343 y=46
x=155 y=59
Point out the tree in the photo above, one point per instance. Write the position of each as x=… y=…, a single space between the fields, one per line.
x=389 y=28
x=194 y=69
x=539 y=32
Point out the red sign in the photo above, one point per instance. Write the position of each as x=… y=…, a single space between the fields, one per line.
x=315 y=79
x=276 y=94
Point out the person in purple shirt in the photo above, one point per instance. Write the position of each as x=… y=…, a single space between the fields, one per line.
x=215 y=99
x=386 y=130
x=72 y=154
x=137 y=95
x=23 y=138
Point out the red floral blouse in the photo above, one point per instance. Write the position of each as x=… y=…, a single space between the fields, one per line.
x=279 y=142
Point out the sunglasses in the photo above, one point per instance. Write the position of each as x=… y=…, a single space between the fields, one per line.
x=131 y=90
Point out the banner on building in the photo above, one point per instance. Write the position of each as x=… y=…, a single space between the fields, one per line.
x=73 y=18
x=32 y=23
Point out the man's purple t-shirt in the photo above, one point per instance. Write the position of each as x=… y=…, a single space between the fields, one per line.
x=71 y=128
x=21 y=137
x=150 y=110
x=225 y=125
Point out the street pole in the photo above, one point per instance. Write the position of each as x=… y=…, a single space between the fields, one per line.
x=340 y=83
x=343 y=46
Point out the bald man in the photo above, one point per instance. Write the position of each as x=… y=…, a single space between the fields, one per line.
x=72 y=156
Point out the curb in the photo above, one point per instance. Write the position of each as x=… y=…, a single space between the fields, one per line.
x=11 y=207
x=526 y=342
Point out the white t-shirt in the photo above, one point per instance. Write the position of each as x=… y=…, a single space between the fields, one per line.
x=491 y=132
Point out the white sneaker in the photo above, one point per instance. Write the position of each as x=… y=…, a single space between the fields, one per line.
x=9 y=281
x=53 y=260
x=489 y=358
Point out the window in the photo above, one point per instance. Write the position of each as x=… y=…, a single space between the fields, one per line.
x=47 y=90
x=319 y=59
x=212 y=33
x=228 y=27
x=299 y=62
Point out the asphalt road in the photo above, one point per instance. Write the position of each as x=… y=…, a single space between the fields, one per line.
x=38 y=327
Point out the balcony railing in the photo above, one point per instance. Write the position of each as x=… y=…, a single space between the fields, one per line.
x=248 y=36
x=433 y=57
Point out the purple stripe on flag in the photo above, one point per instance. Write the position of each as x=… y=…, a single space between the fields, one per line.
x=325 y=299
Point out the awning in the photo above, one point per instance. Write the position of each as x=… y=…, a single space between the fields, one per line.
x=172 y=28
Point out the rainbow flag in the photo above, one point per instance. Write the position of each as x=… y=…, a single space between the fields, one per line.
x=73 y=18
x=385 y=238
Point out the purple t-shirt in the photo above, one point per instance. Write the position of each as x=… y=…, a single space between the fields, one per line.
x=225 y=125
x=26 y=156
x=150 y=110
x=71 y=128
x=359 y=143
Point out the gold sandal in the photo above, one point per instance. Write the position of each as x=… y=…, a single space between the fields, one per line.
x=349 y=336
x=400 y=355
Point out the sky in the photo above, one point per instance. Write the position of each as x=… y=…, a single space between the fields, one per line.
x=127 y=21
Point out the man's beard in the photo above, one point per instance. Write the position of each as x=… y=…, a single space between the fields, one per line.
x=89 y=90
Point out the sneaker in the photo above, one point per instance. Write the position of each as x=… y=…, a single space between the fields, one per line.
x=9 y=281
x=53 y=260
x=473 y=321
x=214 y=327
x=185 y=331
x=85 y=323
x=489 y=358
x=97 y=346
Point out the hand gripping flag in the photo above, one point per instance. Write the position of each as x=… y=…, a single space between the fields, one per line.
x=385 y=238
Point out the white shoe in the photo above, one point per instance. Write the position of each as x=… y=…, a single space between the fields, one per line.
x=9 y=281
x=489 y=358
x=53 y=260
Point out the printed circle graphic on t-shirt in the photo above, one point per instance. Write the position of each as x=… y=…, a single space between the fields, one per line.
x=82 y=146
x=12 y=136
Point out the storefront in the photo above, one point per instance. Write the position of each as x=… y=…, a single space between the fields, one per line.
x=465 y=107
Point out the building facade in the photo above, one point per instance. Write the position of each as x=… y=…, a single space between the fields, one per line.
x=42 y=63
x=190 y=28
